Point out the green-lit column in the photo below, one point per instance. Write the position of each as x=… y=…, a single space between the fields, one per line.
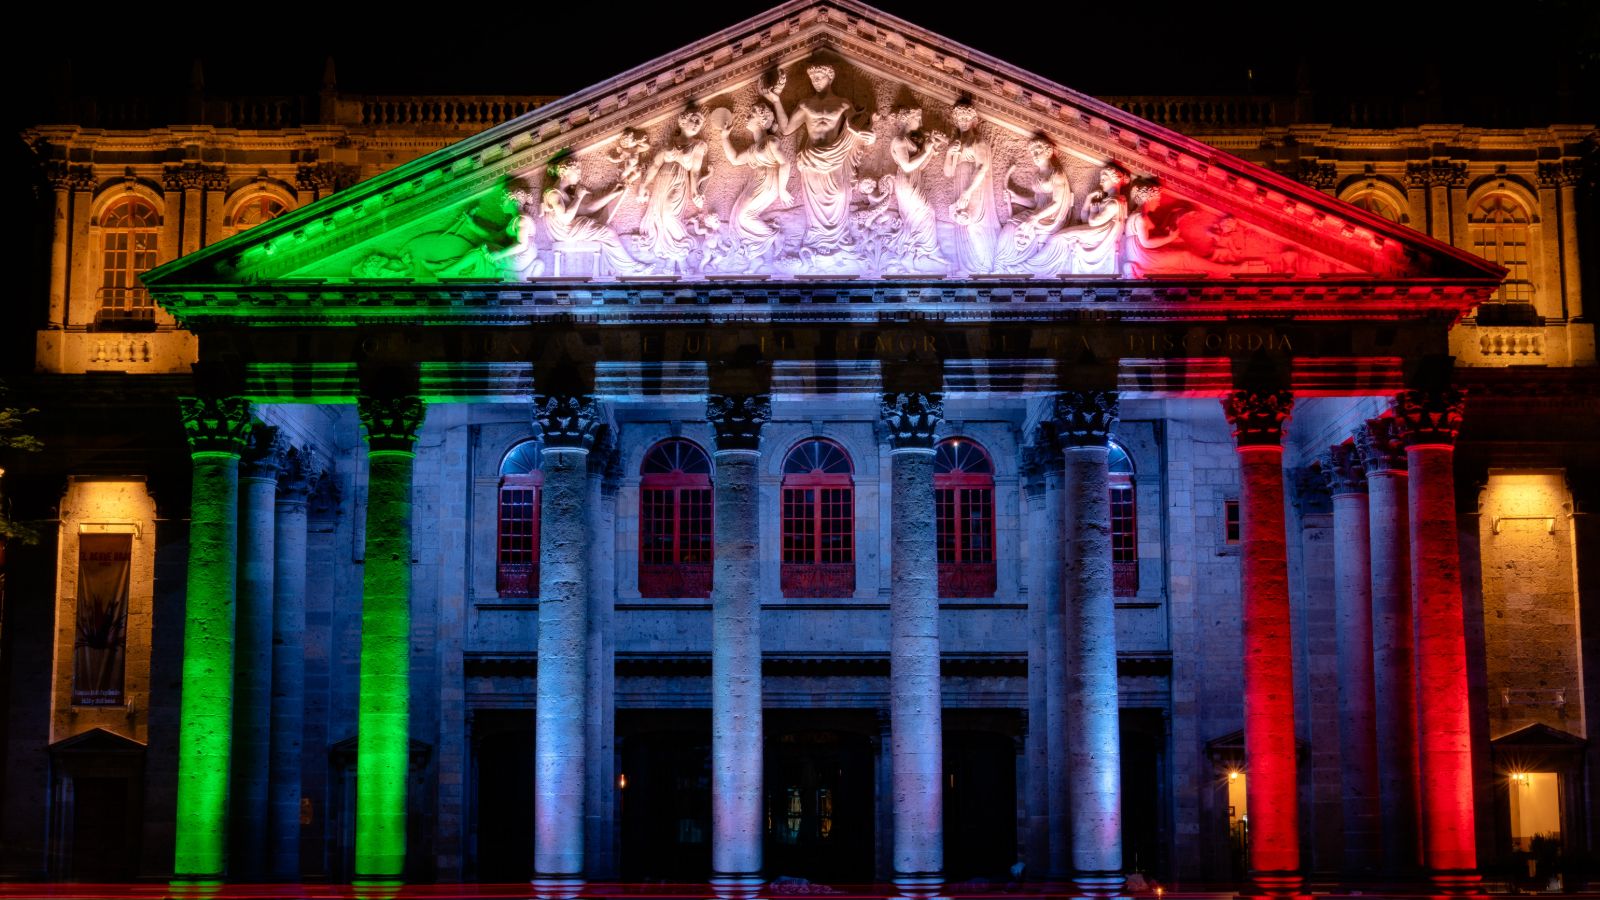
x=217 y=428
x=383 y=733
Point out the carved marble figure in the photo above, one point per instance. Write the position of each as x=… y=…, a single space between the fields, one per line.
x=968 y=162
x=1040 y=202
x=674 y=180
x=572 y=218
x=911 y=152
x=628 y=154
x=522 y=255
x=1089 y=248
x=759 y=237
x=876 y=222
x=830 y=147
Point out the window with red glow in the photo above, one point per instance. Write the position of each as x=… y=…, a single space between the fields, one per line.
x=517 y=554
x=675 y=521
x=1232 y=525
x=128 y=232
x=1124 y=524
x=1499 y=231
x=819 y=555
x=963 y=501
x=256 y=210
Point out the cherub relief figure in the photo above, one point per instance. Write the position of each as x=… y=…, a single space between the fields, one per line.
x=876 y=221
x=830 y=147
x=628 y=153
x=571 y=216
x=674 y=181
x=968 y=162
x=759 y=237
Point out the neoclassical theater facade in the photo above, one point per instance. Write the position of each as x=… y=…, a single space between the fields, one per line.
x=825 y=452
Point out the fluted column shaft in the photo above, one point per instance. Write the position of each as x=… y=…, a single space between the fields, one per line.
x=1352 y=576
x=1093 y=727
x=217 y=429
x=1393 y=658
x=737 y=807
x=1428 y=422
x=252 y=673
x=288 y=669
x=915 y=697
x=560 y=742
x=383 y=705
x=1269 y=730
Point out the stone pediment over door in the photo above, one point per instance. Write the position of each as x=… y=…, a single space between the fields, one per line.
x=820 y=140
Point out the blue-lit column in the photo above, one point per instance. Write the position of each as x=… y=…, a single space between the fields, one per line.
x=915 y=699
x=1044 y=451
x=1094 y=743
x=288 y=667
x=737 y=814
x=568 y=423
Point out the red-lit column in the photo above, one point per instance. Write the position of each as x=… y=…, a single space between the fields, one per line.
x=1352 y=576
x=1258 y=418
x=1428 y=421
x=1394 y=672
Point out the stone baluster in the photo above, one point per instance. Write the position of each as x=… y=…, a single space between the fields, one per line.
x=569 y=423
x=1272 y=792
x=915 y=698
x=1346 y=478
x=1093 y=739
x=383 y=713
x=1394 y=684
x=737 y=804
x=217 y=428
x=252 y=671
x=1428 y=421
x=295 y=480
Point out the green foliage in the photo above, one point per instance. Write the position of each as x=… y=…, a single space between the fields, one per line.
x=14 y=438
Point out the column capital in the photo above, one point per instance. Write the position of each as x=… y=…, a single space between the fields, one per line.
x=1084 y=418
x=912 y=418
x=1342 y=470
x=1379 y=447
x=1258 y=417
x=193 y=176
x=71 y=177
x=263 y=453
x=214 y=424
x=737 y=419
x=1565 y=173
x=297 y=475
x=1429 y=416
x=568 y=421
x=391 y=420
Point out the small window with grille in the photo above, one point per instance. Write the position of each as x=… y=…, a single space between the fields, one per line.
x=963 y=499
x=1124 y=523
x=1232 y=524
x=819 y=556
x=517 y=555
x=675 y=528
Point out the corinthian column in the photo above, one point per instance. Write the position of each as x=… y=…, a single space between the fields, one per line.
x=1394 y=674
x=1046 y=450
x=569 y=424
x=383 y=707
x=217 y=429
x=1428 y=422
x=252 y=671
x=736 y=723
x=1352 y=577
x=288 y=667
x=1094 y=743
x=1269 y=743
x=915 y=702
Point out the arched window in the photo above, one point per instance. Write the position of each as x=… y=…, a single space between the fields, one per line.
x=819 y=522
x=1377 y=204
x=675 y=521
x=1124 y=525
x=255 y=210
x=963 y=500
x=1499 y=230
x=517 y=560
x=128 y=232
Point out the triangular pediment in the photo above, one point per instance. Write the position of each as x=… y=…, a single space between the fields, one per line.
x=869 y=170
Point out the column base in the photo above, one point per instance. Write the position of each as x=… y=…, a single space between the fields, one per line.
x=736 y=885
x=918 y=885
x=557 y=887
x=375 y=887
x=194 y=887
x=1099 y=884
x=1455 y=882
x=1278 y=884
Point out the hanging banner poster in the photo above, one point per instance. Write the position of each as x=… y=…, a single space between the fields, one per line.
x=99 y=651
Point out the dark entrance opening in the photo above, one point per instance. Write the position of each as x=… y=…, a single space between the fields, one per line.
x=820 y=792
x=502 y=766
x=666 y=796
x=980 y=805
x=1144 y=791
x=96 y=807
